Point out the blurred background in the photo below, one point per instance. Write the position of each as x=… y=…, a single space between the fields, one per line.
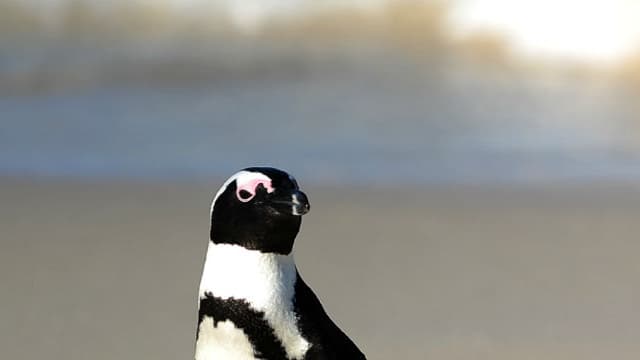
x=472 y=167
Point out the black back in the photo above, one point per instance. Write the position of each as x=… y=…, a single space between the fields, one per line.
x=328 y=341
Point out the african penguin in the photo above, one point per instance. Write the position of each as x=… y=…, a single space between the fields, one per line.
x=253 y=304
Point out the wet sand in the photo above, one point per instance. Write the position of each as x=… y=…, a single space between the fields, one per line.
x=110 y=270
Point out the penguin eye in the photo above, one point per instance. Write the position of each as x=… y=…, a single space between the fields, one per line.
x=248 y=187
x=244 y=195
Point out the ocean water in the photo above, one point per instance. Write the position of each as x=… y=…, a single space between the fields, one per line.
x=365 y=117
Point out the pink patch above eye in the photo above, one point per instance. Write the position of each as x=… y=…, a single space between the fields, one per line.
x=251 y=185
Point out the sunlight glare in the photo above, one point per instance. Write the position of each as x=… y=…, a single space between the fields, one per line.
x=594 y=31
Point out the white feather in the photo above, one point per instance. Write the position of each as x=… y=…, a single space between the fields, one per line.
x=224 y=341
x=265 y=280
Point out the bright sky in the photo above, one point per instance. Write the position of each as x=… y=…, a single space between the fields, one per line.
x=592 y=30
x=250 y=12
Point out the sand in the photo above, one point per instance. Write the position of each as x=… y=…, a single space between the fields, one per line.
x=110 y=270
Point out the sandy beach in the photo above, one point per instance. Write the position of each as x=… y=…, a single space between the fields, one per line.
x=110 y=270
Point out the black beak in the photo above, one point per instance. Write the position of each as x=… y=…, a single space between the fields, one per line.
x=297 y=203
x=300 y=203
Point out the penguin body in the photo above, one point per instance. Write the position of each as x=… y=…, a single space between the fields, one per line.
x=253 y=304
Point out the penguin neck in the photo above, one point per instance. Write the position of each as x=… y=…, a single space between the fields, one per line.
x=274 y=235
x=261 y=279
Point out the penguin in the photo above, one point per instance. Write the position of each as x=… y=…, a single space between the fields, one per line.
x=253 y=304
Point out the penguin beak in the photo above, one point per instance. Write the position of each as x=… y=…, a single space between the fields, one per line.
x=298 y=203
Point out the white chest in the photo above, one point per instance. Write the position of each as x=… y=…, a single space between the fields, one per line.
x=223 y=341
x=266 y=282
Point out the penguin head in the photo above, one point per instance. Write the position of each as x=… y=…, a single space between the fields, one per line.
x=258 y=208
